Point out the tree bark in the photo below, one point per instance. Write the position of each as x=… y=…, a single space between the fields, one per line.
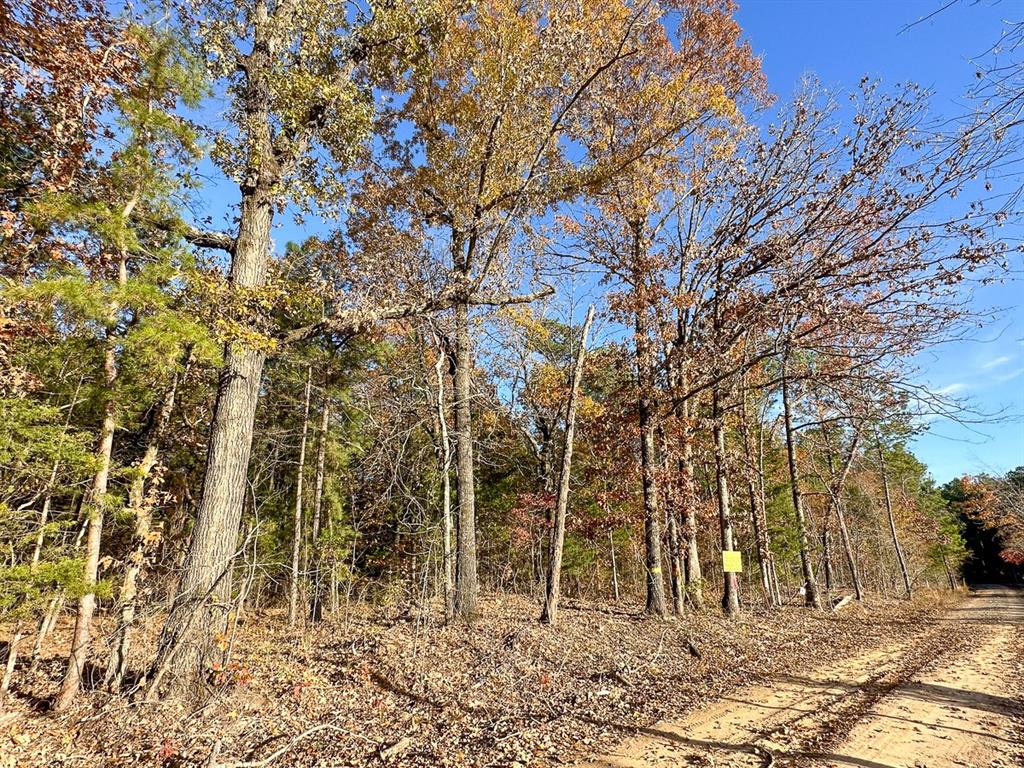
x=676 y=570
x=764 y=558
x=758 y=519
x=772 y=570
x=192 y=638
x=811 y=595
x=316 y=609
x=142 y=511
x=826 y=552
x=730 y=588
x=675 y=553
x=688 y=494
x=466 y=587
x=198 y=615
x=949 y=573
x=93 y=510
x=550 y=612
x=615 y=570
x=649 y=465
x=297 y=532
x=444 y=459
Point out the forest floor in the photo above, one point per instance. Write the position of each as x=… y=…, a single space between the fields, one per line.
x=950 y=696
x=373 y=687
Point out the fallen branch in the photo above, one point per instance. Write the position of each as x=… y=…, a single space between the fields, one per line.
x=842 y=603
x=275 y=755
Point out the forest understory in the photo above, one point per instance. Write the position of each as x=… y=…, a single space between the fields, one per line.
x=352 y=355
x=372 y=687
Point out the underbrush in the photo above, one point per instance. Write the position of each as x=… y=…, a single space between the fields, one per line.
x=372 y=687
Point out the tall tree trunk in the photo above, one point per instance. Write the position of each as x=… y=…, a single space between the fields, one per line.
x=332 y=570
x=811 y=595
x=763 y=557
x=466 y=587
x=900 y=557
x=675 y=562
x=550 y=612
x=677 y=575
x=688 y=494
x=297 y=531
x=316 y=609
x=826 y=550
x=773 y=571
x=649 y=465
x=142 y=511
x=757 y=514
x=836 y=499
x=189 y=641
x=730 y=588
x=93 y=510
x=94 y=506
x=444 y=460
x=949 y=573
x=761 y=495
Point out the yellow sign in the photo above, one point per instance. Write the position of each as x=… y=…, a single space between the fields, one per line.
x=732 y=561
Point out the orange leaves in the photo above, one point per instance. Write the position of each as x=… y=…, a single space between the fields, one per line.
x=232 y=673
x=168 y=749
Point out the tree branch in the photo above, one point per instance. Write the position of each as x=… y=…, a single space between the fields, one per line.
x=357 y=320
x=205 y=238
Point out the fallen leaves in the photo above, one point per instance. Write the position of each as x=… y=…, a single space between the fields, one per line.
x=368 y=691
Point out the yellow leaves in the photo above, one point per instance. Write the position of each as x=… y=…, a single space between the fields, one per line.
x=529 y=325
x=489 y=421
x=548 y=386
x=589 y=408
x=506 y=82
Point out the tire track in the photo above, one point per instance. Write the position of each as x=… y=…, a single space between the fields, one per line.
x=807 y=720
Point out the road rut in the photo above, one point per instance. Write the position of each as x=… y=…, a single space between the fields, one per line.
x=950 y=696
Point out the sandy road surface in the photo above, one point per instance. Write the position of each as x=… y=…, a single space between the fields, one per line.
x=946 y=697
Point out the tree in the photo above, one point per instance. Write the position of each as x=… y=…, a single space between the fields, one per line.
x=62 y=62
x=680 y=94
x=550 y=612
x=114 y=282
x=288 y=70
x=500 y=92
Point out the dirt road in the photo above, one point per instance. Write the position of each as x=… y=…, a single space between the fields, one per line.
x=946 y=697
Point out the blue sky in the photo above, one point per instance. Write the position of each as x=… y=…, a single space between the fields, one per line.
x=840 y=41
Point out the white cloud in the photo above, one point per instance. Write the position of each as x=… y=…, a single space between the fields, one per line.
x=1009 y=376
x=1001 y=360
x=951 y=389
